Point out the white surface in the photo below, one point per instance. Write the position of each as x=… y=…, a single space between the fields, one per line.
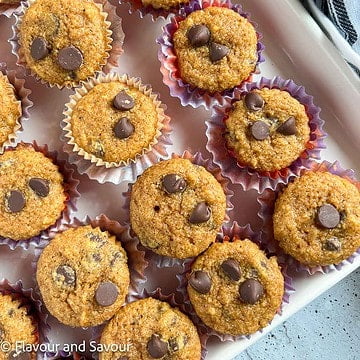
x=295 y=48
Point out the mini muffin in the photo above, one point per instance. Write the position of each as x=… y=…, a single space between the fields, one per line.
x=83 y=276
x=216 y=49
x=126 y=122
x=177 y=208
x=267 y=129
x=16 y=325
x=10 y=109
x=155 y=329
x=66 y=41
x=234 y=288
x=317 y=219
x=164 y=4
x=32 y=195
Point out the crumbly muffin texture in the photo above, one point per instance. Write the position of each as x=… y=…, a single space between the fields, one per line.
x=10 y=108
x=15 y=325
x=163 y=4
x=17 y=168
x=220 y=305
x=227 y=28
x=172 y=224
x=151 y=326
x=296 y=224
x=61 y=24
x=277 y=150
x=93 y=131
x=72 y=271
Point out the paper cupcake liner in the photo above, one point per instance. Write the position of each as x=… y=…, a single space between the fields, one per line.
x=61 y=354
x=267 y=204
x=35 y=308
x=244 y=175
x=8 y=9
x=158 y=295
x=229 y=232
x=187 y=94
x=116 y=172
x=70 y=188
x=197 y=159
x=114 y=33
x=16 y=80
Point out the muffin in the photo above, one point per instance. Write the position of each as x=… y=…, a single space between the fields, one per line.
x=64 y=42
x=317 y=218
x=126 y=123
x=32 y=195
x=267 y=129
x=155 y=330
x=163 y=4
x=10 y=109
x=83 y=276
x=16 y=325
x=177 y=208
x=234 y=288
x=216 y=49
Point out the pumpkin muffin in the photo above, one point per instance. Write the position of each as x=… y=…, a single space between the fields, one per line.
x=66 y=41
x=32 y=195
x=83 y=276
x=155 y=330
x=234 y=288
x=177 y=208
x=317 y=219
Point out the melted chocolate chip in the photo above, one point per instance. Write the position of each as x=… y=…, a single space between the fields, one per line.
x=251 y=291
x=200 y=281
x=260 y=130
x=66 y=274
x=253 y=101
x=173 y=183
x=217 y=51
x=198 y=35
x=123 y=101
x=106 y=294
x=327 y=216
x=156 y=347
x=70 y=58
x=39 y=48
x=15 y=201
x=40 y=186
x=288 y=127
x=332 y=244
x=124 y=128
x=231 y=269
x=200 y=214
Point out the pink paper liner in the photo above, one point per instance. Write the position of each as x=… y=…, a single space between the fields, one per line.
x=136 y=257
x=267 y=204
x=121 y=173
x=187 y=94
x=198 y=159
x=34 y=307
x=16 y=79
x=156 y=294
x=247 y=177
x=70 y=188
x=229 y=232
x=8 y=9
x=111 y=61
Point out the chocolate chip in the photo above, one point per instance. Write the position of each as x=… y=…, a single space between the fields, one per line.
x=96 y=257
x=123 y=101
x=19 y=355
x=217 y=51
x=106 y=294
x=173 y=183
x=156 y=347
x=15 y=201
x=123 y=128
x=332 y=244
x=288 y=127
x=200 y=214
x=70 y=58
x=251 y=291
x=260 y=130
x=231 y=269
x=173 y=345
x=253 y=101
x=198 y=35
x=200 y=281
x=327 y=216
x=40 y=186
x=66 y=274
x=39 y=48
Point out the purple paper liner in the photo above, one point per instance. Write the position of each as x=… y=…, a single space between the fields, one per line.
x=267 y=204
x=247 y=177
x=34 y=306
x=16 y=79
x=111 y=61
x=102 y=171
x=198 y=159
x=9 y=9
x=70 y=188
x=158 y=295
x=228 y=233
x=187 y=94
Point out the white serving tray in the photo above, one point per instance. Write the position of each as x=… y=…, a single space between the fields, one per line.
x=295 y=48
